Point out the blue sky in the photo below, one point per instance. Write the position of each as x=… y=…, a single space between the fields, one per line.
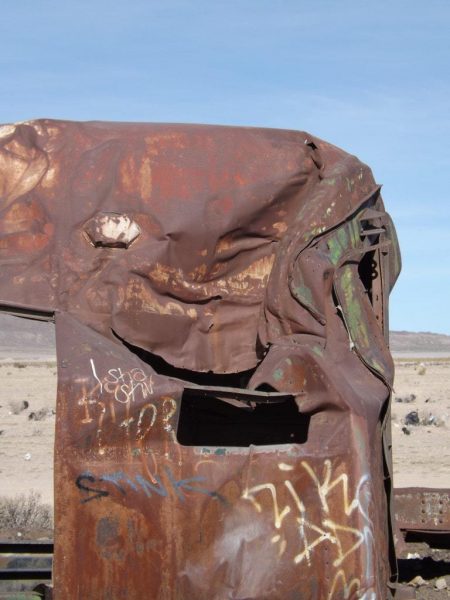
x=370 y=76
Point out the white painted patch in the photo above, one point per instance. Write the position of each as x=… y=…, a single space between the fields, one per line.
x=285 y=467
x=275 y=539
x=119 y=228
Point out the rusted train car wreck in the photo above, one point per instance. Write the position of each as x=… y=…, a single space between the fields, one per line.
x=220 y=297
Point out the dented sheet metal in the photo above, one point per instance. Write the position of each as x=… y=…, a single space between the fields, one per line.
x=223 y=375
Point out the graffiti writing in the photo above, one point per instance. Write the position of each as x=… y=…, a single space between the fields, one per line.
x=124 y=386
x=95 y=488
x=327 y=529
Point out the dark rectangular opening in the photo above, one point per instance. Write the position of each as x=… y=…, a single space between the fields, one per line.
x=205 y=420
x=434 y=539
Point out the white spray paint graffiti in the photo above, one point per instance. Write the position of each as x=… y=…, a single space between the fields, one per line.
x=328 y=529
x=128 y=387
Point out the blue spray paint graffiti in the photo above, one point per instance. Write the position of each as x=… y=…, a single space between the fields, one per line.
x=93 y=488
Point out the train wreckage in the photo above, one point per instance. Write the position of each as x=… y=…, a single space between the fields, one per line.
x=221 y=305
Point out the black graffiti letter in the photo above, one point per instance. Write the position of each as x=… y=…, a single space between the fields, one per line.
x=97 y=492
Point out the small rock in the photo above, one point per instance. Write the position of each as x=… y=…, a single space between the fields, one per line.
x=417 y=581
x=406 y=399
x=19 y=534
x=440 y=583
x=421 y=369
x=439 y=422
x=429 y=420
x=433 y=420
x=39 y=415
x=412 y=418
x=27 y=456
x=406 y=431
x=17 y=406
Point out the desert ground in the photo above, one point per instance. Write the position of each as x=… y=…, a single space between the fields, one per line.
x=421 y=452
x=27 y=424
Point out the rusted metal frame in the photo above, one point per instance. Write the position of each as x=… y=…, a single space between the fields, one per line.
x=353 y=255
x=27 y=312
x=12 y=551
x=243 y=397
x=422 y=509
x=379 y=295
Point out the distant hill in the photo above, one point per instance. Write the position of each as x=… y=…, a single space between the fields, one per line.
x=25 y=337
x=419 y=342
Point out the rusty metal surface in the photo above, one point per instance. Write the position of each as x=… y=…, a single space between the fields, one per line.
x=423 y=509
x=223 y=375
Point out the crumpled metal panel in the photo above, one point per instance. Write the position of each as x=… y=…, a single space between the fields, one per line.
x=202 y=278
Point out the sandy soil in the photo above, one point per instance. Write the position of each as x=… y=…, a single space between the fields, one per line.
x=421 y=456
x=26 y=445
x=421 y=452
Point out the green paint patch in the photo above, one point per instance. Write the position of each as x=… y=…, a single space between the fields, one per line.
x=217 y=451
x=336 y=250
x=355 y=227
x=278 y=374
x=343 y=237
x=353 y=310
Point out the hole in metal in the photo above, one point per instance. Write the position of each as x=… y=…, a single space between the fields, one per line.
x=205 y=420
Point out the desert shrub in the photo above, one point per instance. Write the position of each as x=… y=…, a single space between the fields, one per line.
x=25 y=512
